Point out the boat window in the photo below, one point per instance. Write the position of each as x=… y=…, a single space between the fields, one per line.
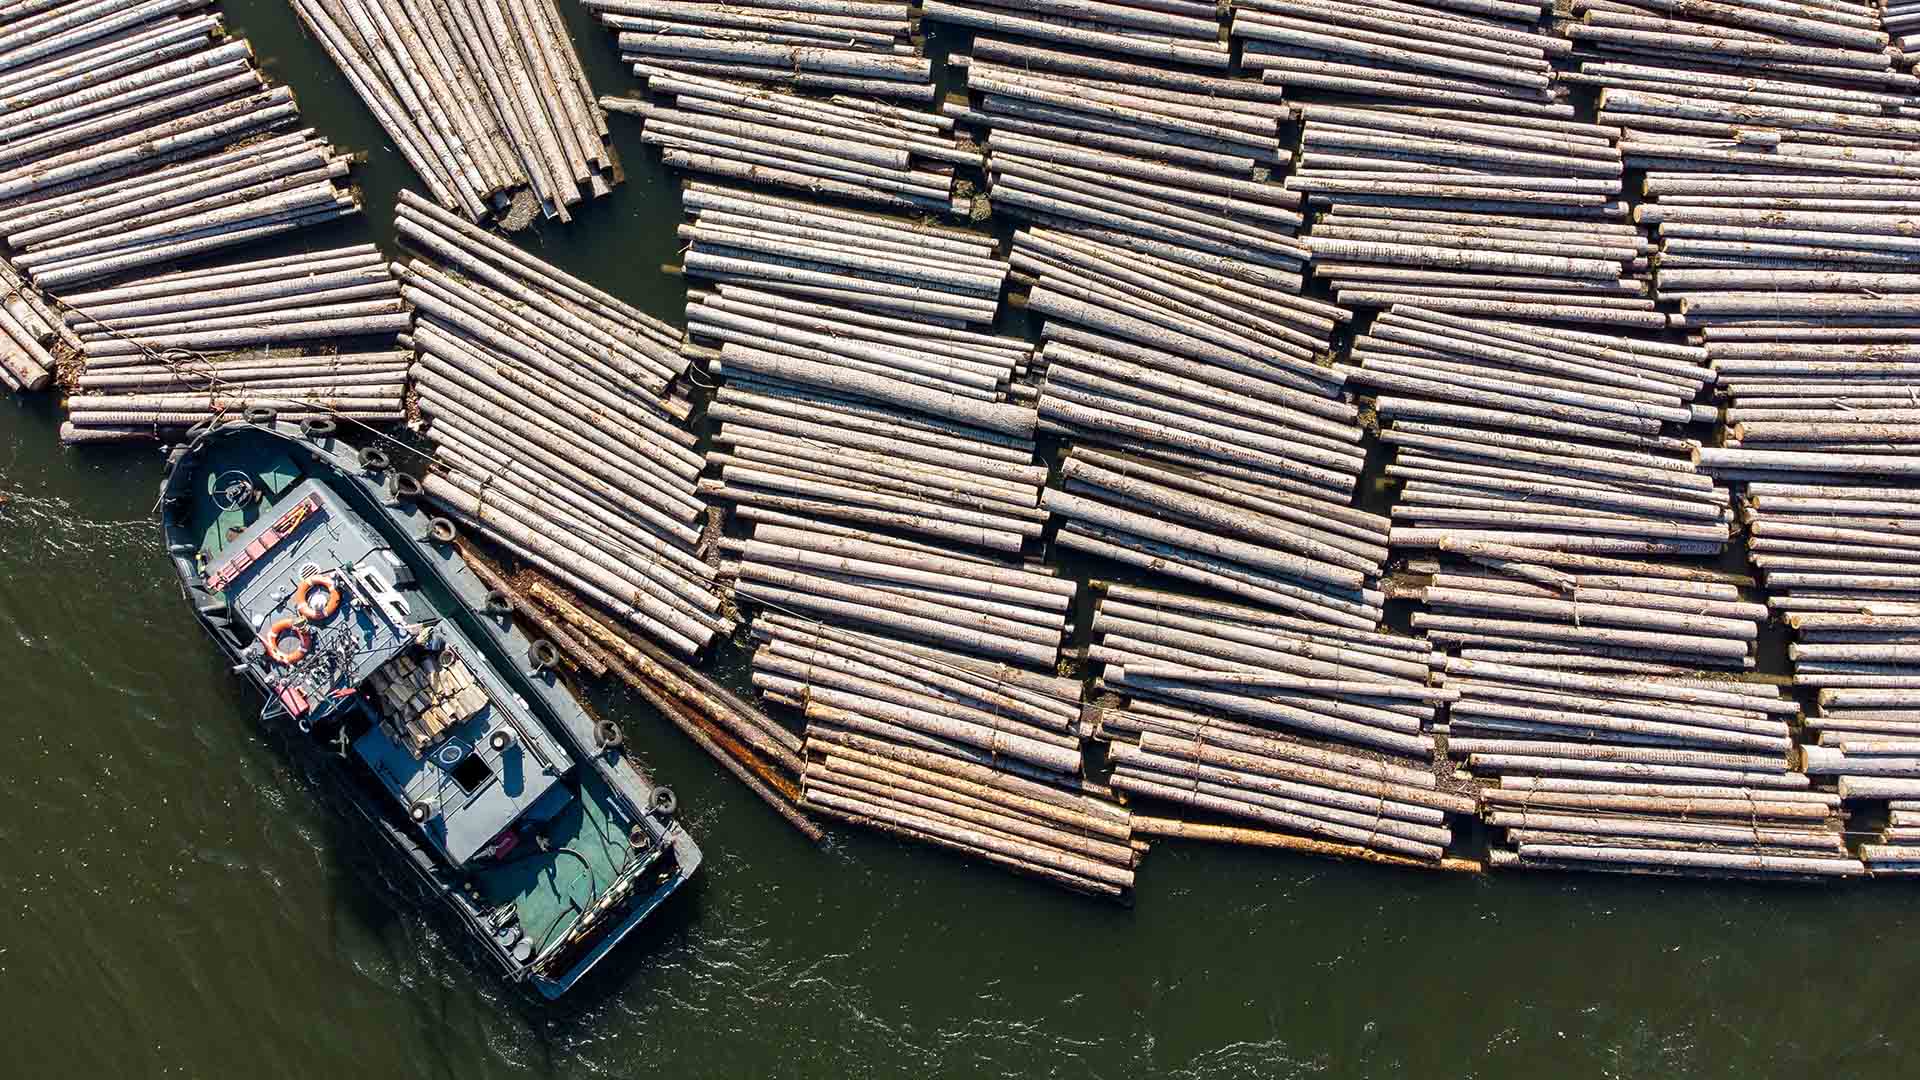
x=471 y=773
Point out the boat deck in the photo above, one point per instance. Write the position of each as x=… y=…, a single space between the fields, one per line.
x=218 y=519
x=551 y=888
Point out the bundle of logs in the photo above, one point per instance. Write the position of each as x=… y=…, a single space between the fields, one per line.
x=34 y=339
x=848 y=148
x=1540 y=437
x=866 y=438
x=854 y=390
x=918 y=672
x=483 y=98
x=1170 y=32
x=1472 y=214
x=1526 y=607
x=861 y=47
x=1608 y=749
x=558 y=428
x=1895 y=849
x=1212 y=449
x=133 y=138
x=1901 y=18
x=304 y=336
x=1237 y=711
x=1770 y=135
x=1827 y=492
x=1836 y=553
x=1205 y=371
x=1480 y=56
x=1166 y=163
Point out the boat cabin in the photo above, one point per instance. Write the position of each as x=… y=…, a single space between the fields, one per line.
x=335 y=635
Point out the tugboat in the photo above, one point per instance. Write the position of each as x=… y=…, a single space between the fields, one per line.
x=389 y=663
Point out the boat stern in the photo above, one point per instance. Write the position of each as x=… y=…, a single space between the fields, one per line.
x=675 y=860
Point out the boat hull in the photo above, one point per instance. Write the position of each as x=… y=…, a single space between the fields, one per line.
x=365 y=484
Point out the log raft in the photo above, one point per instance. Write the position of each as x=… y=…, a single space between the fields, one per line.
x=485 y=99
x=557 y=417
x=1585 y=394
x=133 y=137
x=876 y=443
x=827 y=98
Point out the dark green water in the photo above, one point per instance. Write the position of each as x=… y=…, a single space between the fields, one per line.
x=176 y=903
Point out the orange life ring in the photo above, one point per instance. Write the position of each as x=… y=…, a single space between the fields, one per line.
x=304 y=595
x=281 y=629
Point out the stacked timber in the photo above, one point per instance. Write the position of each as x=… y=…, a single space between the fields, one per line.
x=1773 y=137
x=867 y=436
x=558 y=426
x=1289 y=554
x=1171 y=33
x=856 y=260
x=855 y=149
x=940 y=600
x=1539 y=438
x=1286 y=721
x=1895 y=850
x=1481 y=215
x=1201 y=370
x=1780 y=147
x=1212 y=449
x=860 y=47
x=1165 y=162
x=1819 y=443
x=1829 y=530
x=924 y=675
x=1580 y=697
x=1901 y=20
x=1462 y=58
x=1531 y=608
x=854 y=388
x=484 y=98
x=1805 y=251
x=940 y=792
x=1295 y=724
x=177 y=211
x=133 y=136
x=795 y=93
x=1835 y=552
x=34 y=339
x=1446 y=165
x=299 y=336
